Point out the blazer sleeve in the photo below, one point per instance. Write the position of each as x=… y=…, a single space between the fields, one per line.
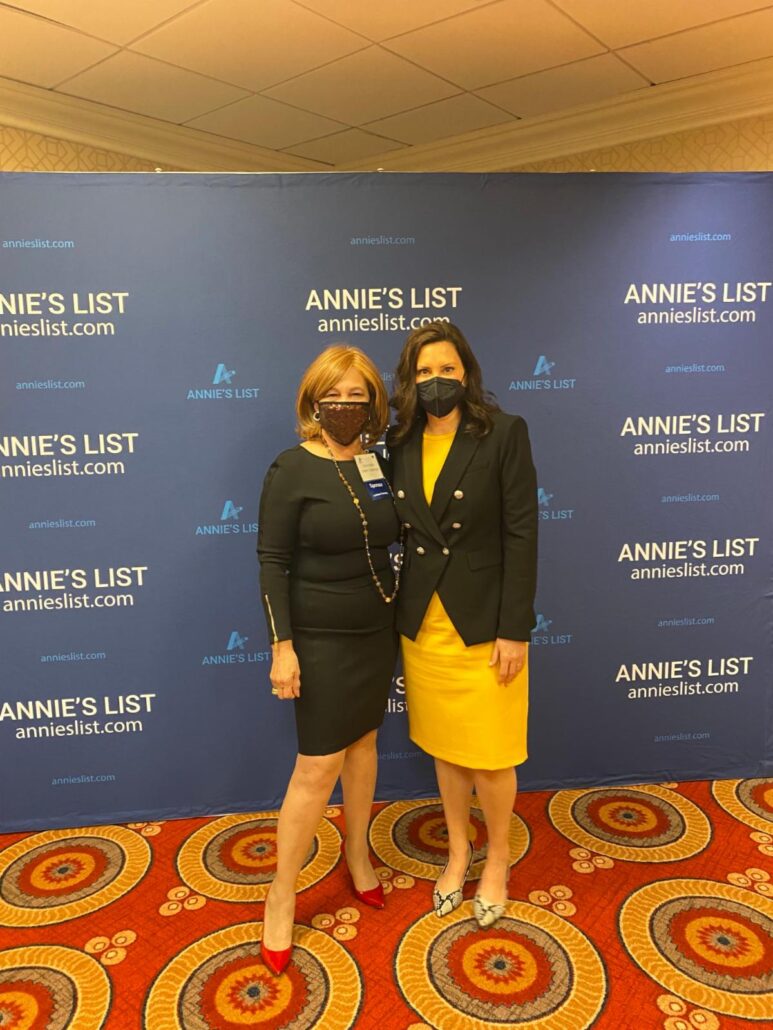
x=519 y=534
x=278 y=518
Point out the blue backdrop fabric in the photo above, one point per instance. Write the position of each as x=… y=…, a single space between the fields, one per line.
x=153 y=329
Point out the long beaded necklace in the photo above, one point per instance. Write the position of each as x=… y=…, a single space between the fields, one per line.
x=387 y=599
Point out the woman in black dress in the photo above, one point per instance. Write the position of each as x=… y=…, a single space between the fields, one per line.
x=326 y=521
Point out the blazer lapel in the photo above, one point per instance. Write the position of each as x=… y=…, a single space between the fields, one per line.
x=414 y=483
x=459 y=457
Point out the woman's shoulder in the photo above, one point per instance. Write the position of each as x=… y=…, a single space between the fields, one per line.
x=504 y=424
x=289 y=457
x=504 y=420
x=287 y=461
x=396 y=438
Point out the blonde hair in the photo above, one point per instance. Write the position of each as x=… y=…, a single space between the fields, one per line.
x=323 y=373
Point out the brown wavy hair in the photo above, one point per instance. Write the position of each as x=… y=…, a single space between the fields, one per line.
x=323 y=373
x=478 y=404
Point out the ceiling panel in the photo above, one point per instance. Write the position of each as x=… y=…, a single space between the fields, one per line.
x=580 y=83
x=380 y=20
x=618 y=24
x=115 y=20
x=352 y=145
x=497 y=42
x=36 y=51
x=362 y=87
x=266 y=123
x=340 y=81
x=248 y=43
x=452 y=117
x=721 y=45
x=136 y=83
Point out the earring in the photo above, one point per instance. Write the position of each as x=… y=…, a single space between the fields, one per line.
x=315 y=416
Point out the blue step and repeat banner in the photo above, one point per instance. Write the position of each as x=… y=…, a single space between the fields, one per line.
x=153 y=329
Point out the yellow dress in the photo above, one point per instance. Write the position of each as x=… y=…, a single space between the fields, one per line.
x=457 y=710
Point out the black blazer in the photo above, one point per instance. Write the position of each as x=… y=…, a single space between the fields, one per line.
x=476 y=545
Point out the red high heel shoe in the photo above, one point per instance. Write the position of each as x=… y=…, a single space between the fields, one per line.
x=276 y=961
x=374 y=897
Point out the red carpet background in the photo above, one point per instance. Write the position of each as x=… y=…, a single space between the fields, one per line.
x=646 y=906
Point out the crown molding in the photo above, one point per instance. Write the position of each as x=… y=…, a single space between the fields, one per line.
x=740 y=92
x=722 y=96
x=81 y=121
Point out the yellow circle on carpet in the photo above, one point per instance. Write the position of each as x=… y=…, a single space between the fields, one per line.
x=221 y=978
x=527 y=967
x=533 y=968
x=646 y=924
x=41 y=965
x=130 y=861
x=409 y=837
x=197 y=871
x=689 y=835
x=728 y=794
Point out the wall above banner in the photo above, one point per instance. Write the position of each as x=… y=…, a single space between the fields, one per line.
x=153 y=330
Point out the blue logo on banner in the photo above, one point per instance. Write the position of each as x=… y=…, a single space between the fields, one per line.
x=541 y=378
x=541 y=635
x=236 y=653
x=547 y=511
x=229 y=524
x=223 y=375
x=236 y=642
x=222 y=390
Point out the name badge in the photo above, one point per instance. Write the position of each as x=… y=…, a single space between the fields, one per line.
x=372 y=476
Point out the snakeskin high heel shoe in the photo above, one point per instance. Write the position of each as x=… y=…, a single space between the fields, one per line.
x=445 y=904
x=486 y=912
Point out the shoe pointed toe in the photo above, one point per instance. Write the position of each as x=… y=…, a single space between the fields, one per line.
x=445 y=904
x=275 y=961
x=486 y=912
x=373 y=897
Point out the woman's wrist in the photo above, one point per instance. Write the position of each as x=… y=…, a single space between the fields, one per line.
x=281 y=646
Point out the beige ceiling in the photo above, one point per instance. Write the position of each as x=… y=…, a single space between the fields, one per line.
x=337 y=82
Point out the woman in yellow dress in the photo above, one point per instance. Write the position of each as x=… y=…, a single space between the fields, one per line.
x=465 y=489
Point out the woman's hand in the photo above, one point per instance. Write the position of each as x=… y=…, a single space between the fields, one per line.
x=285 y=671
x=510 y=656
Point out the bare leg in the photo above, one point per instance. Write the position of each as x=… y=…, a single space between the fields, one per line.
x=358 y=779
x=496 y=791
x=455 y=783
x=307 y=795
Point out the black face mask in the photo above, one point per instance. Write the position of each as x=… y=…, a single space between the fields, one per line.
x=344 y=420
x=439 y=396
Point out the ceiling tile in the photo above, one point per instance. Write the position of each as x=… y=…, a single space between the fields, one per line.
x=266 y=123
x=36 y=51
x=618 y=24
x=722 y=45
x=116 y=22
x=249 y=44
x=378 y=21
x=362 y=87
x=352 y=145
x=580 y=83
x=452 y=117
x=496 y=42
x=136 y=83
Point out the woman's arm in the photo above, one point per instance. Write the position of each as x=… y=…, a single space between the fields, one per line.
x=519 y=535
x=279 y=513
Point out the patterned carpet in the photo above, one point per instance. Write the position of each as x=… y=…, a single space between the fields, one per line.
x=632 y=907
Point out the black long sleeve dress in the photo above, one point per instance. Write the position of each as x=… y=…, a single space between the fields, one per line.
x=317 y=590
